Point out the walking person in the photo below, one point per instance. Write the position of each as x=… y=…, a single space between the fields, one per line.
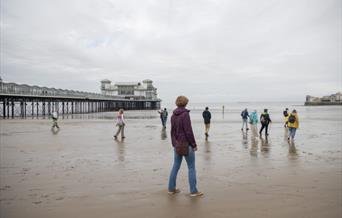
x=253 y=120
x=244 y=115
x=161 y=116
x=286 y=116
x=164 y=117
x=184 y=144
x=120 y=123
x=293 y=124
x=265 y=120
x=54 y=120
x=207 y=117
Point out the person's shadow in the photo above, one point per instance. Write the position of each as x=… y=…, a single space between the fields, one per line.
x=163 y=134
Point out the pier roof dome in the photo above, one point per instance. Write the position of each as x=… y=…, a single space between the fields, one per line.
x=147 y=81
x=106 y=81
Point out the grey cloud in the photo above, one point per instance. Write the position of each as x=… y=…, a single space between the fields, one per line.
x=209 y=50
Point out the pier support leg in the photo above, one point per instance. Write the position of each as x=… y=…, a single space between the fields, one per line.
x=8 y=106
x=25 y=104
x=4 y=108
x=22 y=108
x=63 y=107
x=49 y=108
x=12 y=108
x=43 y=108
x=32 y=108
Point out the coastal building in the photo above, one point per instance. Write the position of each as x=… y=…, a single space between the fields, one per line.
x=130 y=90
x=334 y=99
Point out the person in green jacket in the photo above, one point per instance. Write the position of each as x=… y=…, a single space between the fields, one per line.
x=265 y=120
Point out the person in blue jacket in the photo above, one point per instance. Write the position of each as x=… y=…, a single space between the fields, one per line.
x=244 y=115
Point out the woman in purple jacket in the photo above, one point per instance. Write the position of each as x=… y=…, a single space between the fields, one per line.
x=181 y=133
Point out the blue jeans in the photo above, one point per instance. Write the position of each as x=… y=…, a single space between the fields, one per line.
x=163 y=119
x=292 y=132
x=190 y=160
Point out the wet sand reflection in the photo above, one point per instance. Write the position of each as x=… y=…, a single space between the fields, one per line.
x=55 y=131
x=120 y=149
x=265 y=146
x=292 y=151
x=244 y=139
x=207 y=151
x=163 y=134
x=254 y=147
x=286 y=133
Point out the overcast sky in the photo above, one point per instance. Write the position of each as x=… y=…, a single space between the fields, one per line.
x=208 y=50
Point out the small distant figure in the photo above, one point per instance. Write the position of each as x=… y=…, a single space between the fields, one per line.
x=184 y=144
x=286 y=116
x=253 y=120
x=265 y=120
x=206 y=116
x=244 y=115
x=163 y=116
x=293 y=124
x=54 y=120
x=120 y=123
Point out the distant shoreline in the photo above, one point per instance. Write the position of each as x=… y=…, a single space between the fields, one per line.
x=323 y=103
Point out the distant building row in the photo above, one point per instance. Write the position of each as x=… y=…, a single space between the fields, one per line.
x=334 y=99
x=130 y=90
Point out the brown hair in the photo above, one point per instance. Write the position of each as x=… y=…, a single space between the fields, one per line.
x=182 y=101
x=121 y=111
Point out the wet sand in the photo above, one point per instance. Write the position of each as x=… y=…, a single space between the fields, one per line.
x=81 y=171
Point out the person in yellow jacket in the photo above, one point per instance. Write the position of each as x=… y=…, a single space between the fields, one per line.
x=293 y=124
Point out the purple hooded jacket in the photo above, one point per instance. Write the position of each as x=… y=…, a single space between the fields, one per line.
x=181 y=130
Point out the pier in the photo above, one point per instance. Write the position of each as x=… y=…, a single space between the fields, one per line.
x=21 y=100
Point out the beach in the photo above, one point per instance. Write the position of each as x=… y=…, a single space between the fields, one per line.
x=81 y=171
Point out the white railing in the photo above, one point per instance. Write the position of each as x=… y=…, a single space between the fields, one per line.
x=26 y=90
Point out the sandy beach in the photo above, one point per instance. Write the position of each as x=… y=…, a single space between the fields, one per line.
x=81 y=171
